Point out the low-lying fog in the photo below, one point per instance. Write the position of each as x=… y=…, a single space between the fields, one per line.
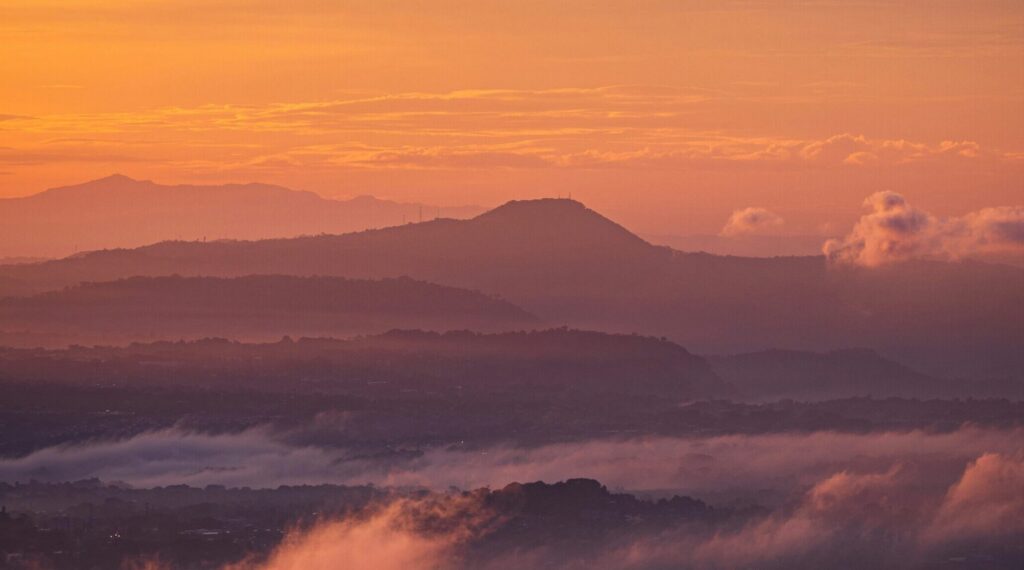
x=892 y=499
x=701 y=467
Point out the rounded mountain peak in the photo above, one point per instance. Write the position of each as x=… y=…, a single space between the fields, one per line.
x=556 y=222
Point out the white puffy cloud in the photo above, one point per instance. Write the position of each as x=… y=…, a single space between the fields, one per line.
x=894 y=230
x=751 y=221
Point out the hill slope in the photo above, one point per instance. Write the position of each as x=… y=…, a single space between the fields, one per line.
x=571 y=366
x=557 y=246
x=246 y=307
x=814 y=376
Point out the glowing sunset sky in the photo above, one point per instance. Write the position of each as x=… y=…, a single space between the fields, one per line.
x=666 y=115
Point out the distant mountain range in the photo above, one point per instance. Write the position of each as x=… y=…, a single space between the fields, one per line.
x=569 y=265
x=252 y=307
x=118 y=211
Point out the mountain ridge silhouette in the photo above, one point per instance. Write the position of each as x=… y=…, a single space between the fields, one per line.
x=568 y=264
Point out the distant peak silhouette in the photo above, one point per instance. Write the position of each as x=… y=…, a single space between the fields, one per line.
x=115 y=177
x=559 y=223
x=119 y=211
x=113 y=183
x=543 y=207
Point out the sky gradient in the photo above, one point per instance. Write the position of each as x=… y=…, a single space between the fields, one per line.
x=669 y=116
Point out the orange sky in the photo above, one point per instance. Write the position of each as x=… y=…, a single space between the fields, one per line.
x=666 y=115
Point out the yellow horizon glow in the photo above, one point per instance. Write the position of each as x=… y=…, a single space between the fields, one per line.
x=670 y=114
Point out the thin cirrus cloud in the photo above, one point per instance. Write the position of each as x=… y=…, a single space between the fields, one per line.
x=486 y=146
x=702 y=107
x=621 y=127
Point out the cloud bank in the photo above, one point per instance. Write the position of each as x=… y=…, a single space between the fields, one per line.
x=393 y=536
x=888 y=519
x=883 y=519
x=894 y=230
x=988 y=501
x=893 y=499
x=702 y=467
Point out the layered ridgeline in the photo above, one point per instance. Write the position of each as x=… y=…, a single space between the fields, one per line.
x=118 y=211
x=558 y=363
x=386 y=396
x=567 y=264
x=252 y=307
